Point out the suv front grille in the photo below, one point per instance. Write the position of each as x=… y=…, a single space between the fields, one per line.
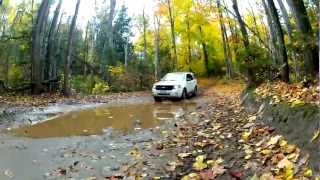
x=164 y=87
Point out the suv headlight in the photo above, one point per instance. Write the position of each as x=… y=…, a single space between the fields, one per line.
x=177 y=86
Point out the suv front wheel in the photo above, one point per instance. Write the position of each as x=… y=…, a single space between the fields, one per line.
x=184 y=94
x=157 y=99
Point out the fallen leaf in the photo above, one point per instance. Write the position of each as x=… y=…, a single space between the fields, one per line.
x=246 y=135
x=207 y=174
x=285 y=164
x=267 y=176
x=308 y=172
x=184 y=155
x=199 y=164
x=191 y=176
x=274 y=140
x=266 y=151
x=315 y=135
x=236 y=174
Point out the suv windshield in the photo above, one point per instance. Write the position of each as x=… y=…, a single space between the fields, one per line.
x=173 y=77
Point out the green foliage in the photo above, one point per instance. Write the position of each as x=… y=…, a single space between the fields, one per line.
x=15 y=75
x=88 y=84
x=100 y=88
x=262 y=62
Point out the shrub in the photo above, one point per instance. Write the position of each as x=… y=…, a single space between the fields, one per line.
x=15 y=75
x=100 y=88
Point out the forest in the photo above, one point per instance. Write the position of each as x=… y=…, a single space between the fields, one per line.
x=159 y=89
x=43 y=49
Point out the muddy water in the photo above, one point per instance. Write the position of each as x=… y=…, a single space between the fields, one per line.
x=125 y=118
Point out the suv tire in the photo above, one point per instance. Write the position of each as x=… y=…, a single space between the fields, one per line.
x=184 y=94
x=157 y=99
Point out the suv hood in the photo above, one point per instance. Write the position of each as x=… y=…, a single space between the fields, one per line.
x=167 y=83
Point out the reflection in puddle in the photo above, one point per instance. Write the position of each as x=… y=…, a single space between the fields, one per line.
x=92 y=121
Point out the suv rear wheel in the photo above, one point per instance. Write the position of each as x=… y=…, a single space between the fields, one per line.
x=195 y=91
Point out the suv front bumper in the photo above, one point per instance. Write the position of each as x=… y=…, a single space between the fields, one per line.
x=174 y=93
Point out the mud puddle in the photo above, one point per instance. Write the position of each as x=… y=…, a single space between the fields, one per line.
x=88 y=140
x=94 y=121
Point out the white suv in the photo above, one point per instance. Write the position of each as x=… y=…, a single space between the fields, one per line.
x=175 y=85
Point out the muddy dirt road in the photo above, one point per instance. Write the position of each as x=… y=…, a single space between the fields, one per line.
x=209 y=136
x=82 y=140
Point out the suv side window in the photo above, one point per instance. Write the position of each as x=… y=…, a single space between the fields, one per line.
x=189 y=77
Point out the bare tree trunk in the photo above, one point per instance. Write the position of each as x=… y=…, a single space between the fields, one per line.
x=205 y=52
x=310 y=52
x=272 y=33
x=110 y=21
x=254 y=21
x=126 y=55
x=156 y=47
x=49 y=73
x=66 y=86
x=144 y=35
x=289 y=29
x=173 y=36
x=86 y=49
x=226 y=48
x=189 y=42
x=245 y=38
x=283 y=57
x=108 y=46
x=36 y=77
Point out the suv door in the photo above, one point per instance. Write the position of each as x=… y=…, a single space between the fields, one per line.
x=190 y=83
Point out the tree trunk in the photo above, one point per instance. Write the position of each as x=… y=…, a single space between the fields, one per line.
x=226 y=48
x=86 y=50
x=245 y=38
x=173 y=36
x=189 y=42
x=156 y=47
x=66 y=86
x=283 y=57
x=144 y=36
x=272 y=33
x=205 y=52
x=49 y=66
x=110 y=21
x=310 y=52
x=126 y=55
x=108 y=46
x=36 y=77
x=290 y=35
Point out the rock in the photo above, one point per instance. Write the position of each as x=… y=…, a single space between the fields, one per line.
x=8 y=173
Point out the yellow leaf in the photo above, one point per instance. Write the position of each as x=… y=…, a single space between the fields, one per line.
x=315 y=135
x=183 y=155
x=266 y=151
x=290 y=148
x=274 y=140
x=247 y=157
x=252 y=118
x=297 y=102
x=266 y=176
x=308 y=173
x=289 y=174
x=283 y=143
x=199 y=164
x=246 y=135
x=191 y=176
x=135 y=153
x=285 y=164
